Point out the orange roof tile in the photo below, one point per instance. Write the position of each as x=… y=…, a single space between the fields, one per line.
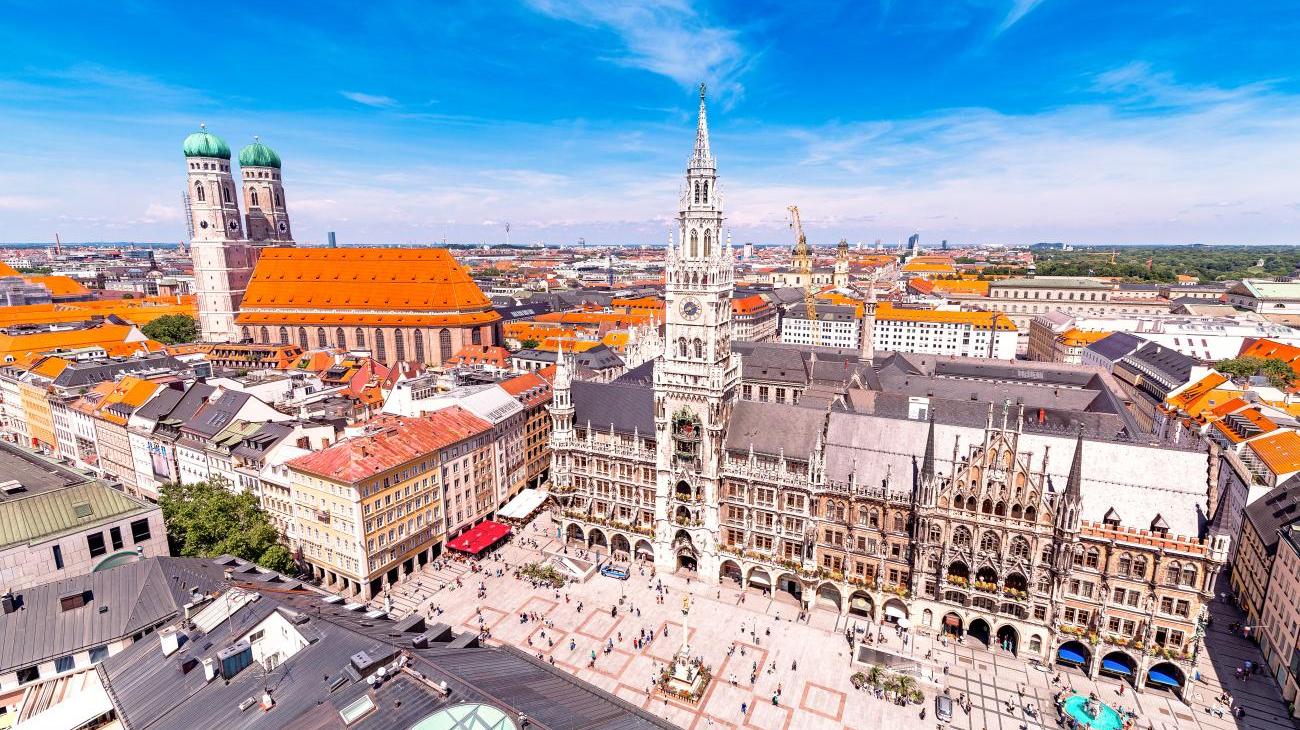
x=1280 y=452
x=7 y=270
x=983 y=320
x=968 y=287
x=296 y=282
x=108 y=336
x=394 y=441
x=480 y=355
x=530 y=388
x=60 y=286
x=749 y=305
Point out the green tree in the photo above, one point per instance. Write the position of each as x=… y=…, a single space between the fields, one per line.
x=1278 y=372
x=530 y=344
x=207 y=519
x=172 y=329
x=128 y=296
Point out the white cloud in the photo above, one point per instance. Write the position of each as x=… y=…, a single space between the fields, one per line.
x=1019 y=9
x=667 y=37
x=157 y=212
x=375 y=100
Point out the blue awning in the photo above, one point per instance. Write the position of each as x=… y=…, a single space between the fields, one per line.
x=1070 y=655
x=1111 y=665
x=1162 y=678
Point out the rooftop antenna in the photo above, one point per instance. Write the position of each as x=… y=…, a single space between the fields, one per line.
x=507 y=233
x=58 y=247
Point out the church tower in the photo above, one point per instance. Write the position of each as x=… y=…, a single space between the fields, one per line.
x=267 y=217
x=223 y=259
x=697 y=377
x=841 y=279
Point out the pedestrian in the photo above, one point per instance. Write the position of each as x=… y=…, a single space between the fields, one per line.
x=744 y=708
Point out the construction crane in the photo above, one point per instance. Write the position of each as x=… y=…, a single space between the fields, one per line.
x=1111 y=254
x=805 y=266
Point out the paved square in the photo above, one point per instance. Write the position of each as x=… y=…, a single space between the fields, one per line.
x=757 y=638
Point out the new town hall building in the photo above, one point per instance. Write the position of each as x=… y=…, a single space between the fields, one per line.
x=1022 y=507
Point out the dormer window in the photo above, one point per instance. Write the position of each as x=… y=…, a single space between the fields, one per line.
x=1159 y=526
x=1111 y=519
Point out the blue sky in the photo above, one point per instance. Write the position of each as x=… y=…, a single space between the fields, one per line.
x=979 y=121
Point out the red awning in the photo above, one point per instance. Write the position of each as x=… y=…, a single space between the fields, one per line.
x=480 y=537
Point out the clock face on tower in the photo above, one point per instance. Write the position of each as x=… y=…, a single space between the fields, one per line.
x=690 y=308
x=283 y=226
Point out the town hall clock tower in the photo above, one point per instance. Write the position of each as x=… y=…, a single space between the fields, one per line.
x=695 y=380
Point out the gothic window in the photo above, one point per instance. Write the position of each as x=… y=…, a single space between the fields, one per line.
x=399 y=344
x=899 y=523
x=697 y=192
x=970 y=503
x=1189 y=575
x=254 y=198
x=1094 y=558
x=961 y=537
x=225 y=193
x=302 y=337
x=1000 y=509
x=275 y=195
x=1020 y=548
x=874 y=519
x=987 y=507
x=381 y=352
x=699 y=348
x=475 y=336
x=1139 y=567
x=444 y=345
x=708 y=242
x=681 y=347
x=265 y=336
x=1031 y=514
x=320 y=337
x=419 y=345
x=1016 y=512
x=284 y=336
x=198 y=192
x=339 y=339
x=936 y=535
x=247 y=335
x=989 y=543
x=360 y=337
x=1173 y=573
x=695 y=244
x=705 y=197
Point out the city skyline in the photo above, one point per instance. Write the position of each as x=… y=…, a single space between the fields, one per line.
x=1125 y=128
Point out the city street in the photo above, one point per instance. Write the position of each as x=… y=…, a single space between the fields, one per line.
x=808 y=663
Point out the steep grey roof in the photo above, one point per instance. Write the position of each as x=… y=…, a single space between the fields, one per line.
x=268 y=435
x=89 y=373
x=1116 y=345
x=531 y=308
x=1168 y=364
x=1138 y=481
x=774 y=429
x=216 y=413
x=122 y=601
x=643 y=375
x=599 y=357
x=626 y=407
x=1281 y=507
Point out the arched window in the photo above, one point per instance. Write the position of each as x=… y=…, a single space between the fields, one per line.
x=399 y=344
x=381 y=352
x=253 y=197
x=320 y=337
x=476 y=336
x=961 y=537
x=275 y=194
x=360 y=338
x=198 y=192
x=265 y=336
x=1139 y=567
x=699 y=348
x=247 y=335
x=936 y=534
x=697 y=192
x=1094 y=558
x=1124 y=565
x=284 y=336
x=1020 y=548
x=1173 y=573
x=419 y=345
x=225 y=193
x=900 y=524
x=695 y=244
x=874 y=518
x=987 y=507
x=1031 y=514
x=705 y=197
x=989 y=542
x=681 y=347
x=444 y=345
x=339 y=339
x=302 y=337
x=1189 y=575
x=708 y=242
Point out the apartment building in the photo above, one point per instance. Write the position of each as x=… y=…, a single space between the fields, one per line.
x=370 y=508
x=935 y=332
x=831 y=325
x=755 y=318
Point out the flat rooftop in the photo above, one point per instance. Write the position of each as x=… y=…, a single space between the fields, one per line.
x=35 y=473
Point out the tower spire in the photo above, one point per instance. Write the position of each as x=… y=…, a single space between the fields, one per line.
x=1073 y=485
x=702 y=157
x=927 y=462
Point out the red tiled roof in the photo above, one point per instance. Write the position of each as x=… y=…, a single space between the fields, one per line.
x=529 y=388
x=396 y=441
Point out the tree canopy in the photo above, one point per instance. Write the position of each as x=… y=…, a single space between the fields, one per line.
x=172 y=329
x=208 y=519
x=530 y=344
x=1278 y=372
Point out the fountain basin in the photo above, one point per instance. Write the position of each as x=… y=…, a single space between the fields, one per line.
x=1106 y=719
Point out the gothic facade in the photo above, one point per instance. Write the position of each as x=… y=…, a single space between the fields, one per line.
x=1064 y=544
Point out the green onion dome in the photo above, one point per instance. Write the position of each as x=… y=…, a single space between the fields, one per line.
x=206 y=144
x=258 y=155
